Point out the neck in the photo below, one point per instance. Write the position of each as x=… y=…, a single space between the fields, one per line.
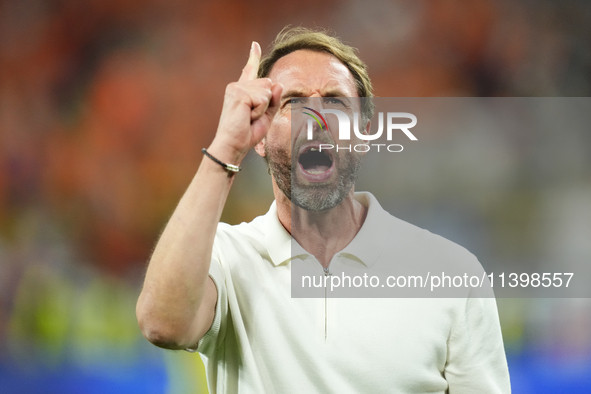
x=325 y=233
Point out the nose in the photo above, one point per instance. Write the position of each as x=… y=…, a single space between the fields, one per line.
x=316 y=121
x=315 y=102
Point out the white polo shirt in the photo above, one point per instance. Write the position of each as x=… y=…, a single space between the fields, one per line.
x=264 y=341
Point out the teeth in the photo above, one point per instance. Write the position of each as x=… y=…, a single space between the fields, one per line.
x=314 y=149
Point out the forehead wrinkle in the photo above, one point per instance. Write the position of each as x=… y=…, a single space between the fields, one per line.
x=336 y=92
x=329 y=92
x=310 y=72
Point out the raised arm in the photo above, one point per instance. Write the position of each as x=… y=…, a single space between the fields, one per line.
x=177 y=303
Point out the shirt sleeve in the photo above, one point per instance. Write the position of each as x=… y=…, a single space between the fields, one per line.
x=213 y=337
x=476 y=361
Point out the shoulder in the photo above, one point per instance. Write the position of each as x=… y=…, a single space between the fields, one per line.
x=246 y=232
x=407 y=240
x=247 y=239
x=440 y=252
x=254 y=228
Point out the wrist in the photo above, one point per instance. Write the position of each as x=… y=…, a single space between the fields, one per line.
x=225 y=152
x=231 y=168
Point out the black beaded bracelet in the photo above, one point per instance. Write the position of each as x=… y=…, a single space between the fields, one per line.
x=227 y=167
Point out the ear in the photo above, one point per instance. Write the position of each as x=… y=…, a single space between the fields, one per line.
x=260 y=148
x=366 y=131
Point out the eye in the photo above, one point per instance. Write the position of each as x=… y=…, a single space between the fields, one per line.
x=333 y=100
x=296 y=100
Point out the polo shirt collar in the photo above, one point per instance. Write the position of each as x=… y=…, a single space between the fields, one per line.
x=366 y=247
x=277 y=239
x=370 y=241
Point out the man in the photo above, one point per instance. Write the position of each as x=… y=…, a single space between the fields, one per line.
x=225 y=290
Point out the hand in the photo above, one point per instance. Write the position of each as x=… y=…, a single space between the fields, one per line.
x=249 y=107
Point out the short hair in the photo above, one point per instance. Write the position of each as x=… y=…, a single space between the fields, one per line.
x=291 y=39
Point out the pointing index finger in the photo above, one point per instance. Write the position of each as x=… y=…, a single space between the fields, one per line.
x=249 y=72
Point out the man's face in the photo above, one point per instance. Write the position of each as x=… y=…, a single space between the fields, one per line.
x=311 y=179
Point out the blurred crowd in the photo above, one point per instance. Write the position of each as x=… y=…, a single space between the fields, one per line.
x=105 y=105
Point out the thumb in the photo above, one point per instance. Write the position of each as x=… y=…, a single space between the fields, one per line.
x=275 y=102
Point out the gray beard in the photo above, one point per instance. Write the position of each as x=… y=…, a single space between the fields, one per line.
x=312 y=197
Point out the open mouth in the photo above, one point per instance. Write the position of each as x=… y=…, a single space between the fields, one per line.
x=315 y=162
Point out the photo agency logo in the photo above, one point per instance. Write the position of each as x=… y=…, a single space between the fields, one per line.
x=344 y=122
